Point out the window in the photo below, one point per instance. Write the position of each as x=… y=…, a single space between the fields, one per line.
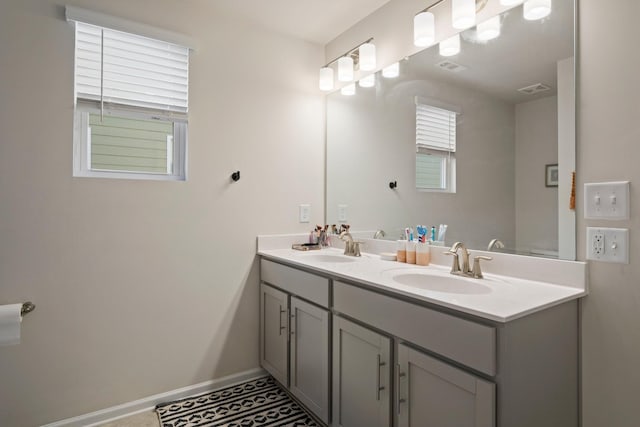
x=131 y=105
x=435 y=148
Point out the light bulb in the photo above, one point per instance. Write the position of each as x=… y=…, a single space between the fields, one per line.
x=536 y=9
x=463 y=13
x=368 y=81
x=489 y=29
x=349 y=90
x=367 y=57
x=326 y=79
x=345 y=69
x=391 y=71
x=510 y=2
x=424 y=29
x=450 y=46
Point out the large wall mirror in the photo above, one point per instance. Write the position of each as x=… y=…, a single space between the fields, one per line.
x=508 y=175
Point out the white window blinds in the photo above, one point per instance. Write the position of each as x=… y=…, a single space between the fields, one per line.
x=126 y=69
x=435 y=128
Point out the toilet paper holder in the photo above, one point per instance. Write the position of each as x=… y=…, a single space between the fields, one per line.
x=27 y=307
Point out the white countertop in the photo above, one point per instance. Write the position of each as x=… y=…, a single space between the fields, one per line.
x=496 y=297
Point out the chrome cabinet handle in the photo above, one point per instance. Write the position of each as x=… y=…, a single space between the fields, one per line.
x=399 y=399
x=292 y=322
x=282 y=328
x=379 y=388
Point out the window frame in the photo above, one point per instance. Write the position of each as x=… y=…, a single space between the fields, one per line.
x=448 y=156
x=82 y=147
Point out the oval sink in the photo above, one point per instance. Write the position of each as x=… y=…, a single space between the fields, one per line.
x=328 y=258
x=440 y=283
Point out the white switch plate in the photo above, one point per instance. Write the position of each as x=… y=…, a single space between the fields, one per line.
x=305 y=213
x=608 y=244
x=606 y=200
x=342 y=213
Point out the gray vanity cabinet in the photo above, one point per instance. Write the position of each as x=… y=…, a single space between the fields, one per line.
x=361 y=376
x=294 y=333
x=430 y=393
x=309 y=356
x=274 y=332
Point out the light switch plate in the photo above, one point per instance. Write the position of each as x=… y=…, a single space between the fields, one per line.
x=608 y=244
x=305 y=213
x=606 y=200
x=342 y=213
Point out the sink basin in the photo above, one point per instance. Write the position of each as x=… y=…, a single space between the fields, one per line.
x=442 y=283
x=328 y=258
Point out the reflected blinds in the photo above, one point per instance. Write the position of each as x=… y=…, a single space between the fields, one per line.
x=435 y=128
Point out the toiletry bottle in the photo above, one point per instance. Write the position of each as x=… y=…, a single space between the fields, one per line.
x=423 y=254
x=401 y=251
x=411 y=252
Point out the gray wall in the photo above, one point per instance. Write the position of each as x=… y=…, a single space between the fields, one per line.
x=608 y=132
x=145 y=287
x=536 y=146
x=609 y=150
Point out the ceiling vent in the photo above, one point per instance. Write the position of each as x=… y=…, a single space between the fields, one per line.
x=533 y=89
x=451 y=66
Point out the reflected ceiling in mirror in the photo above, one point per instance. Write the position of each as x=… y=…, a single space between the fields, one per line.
x=515 y=105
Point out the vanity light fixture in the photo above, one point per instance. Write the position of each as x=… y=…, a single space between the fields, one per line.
x=367 y=53
x=345 y=69
x=392 y=71
x=326 y=79
x=349 y=90
x=536 y=9
x=368 y=81
x=450 y=46
x=489 y=29
x=362 y=56
x=463 y=13
x=424 y=29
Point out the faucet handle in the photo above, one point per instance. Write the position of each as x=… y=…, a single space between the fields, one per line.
x=356 y=248
x=455 y=267
x=477 y=272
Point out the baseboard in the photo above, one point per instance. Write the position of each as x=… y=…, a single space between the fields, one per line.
x=149 y=403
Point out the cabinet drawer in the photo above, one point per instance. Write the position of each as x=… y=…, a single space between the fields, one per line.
x=469 y=343
x=305 y=285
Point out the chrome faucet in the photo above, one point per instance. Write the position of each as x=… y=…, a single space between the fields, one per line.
x=465 y=270
x=379 y=234
x=456 y=268
x=495 y=244
x=351 y=247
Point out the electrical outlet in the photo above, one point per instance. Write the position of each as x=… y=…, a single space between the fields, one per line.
x=608 y=244
x=342 y=213
x=305 y=213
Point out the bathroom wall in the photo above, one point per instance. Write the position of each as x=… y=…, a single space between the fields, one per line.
x=608 y=150
x=144 y=287
x=536 y=146
x=371 y=141
x=608 y=132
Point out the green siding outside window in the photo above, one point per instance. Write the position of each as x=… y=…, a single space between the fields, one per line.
x=430 y=171
x=133 y=145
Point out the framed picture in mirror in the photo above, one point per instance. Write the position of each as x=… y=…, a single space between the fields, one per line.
x=551 y=175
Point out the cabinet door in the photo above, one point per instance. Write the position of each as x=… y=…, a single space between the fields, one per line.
x=309 y=349
x=274 y=332
x=434 y=394
x=361 y=376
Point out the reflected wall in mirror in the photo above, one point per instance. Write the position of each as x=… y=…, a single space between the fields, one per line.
x=514 y=104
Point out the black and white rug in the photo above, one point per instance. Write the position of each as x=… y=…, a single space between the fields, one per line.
x=257 y=403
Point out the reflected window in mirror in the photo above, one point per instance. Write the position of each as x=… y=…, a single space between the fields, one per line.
x=435 y=147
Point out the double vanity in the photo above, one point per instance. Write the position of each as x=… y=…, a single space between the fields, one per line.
x=365 y=342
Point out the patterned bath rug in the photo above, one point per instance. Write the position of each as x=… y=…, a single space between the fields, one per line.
x=257 y=403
